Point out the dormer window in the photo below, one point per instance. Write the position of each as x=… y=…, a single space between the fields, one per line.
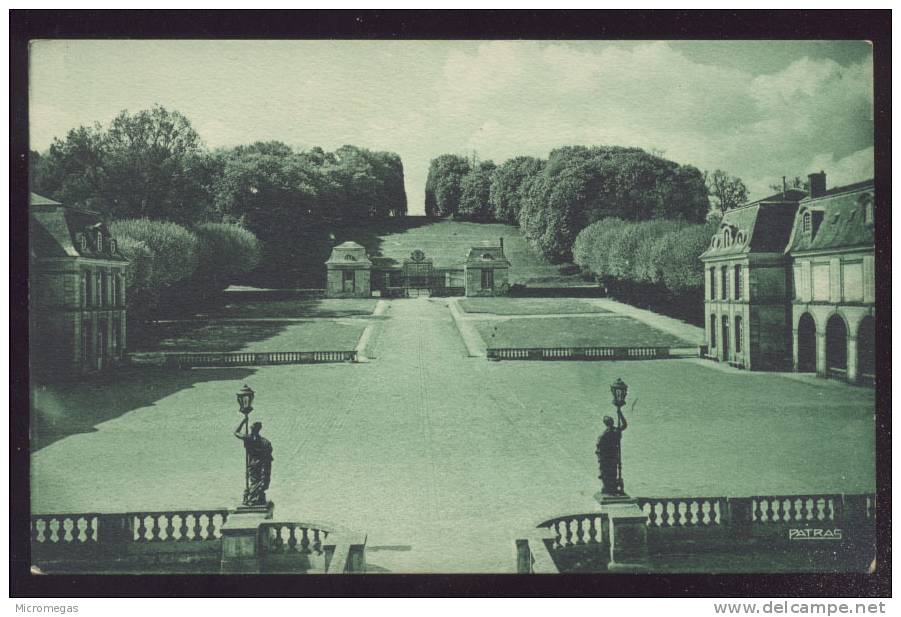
x=99 y=241
x=82 y=243
x=112 y=245
x=805 y=223
x=865 y=203
x=349 y=257
x=487 y=256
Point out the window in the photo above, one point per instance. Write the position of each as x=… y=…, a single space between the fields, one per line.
x=805 y=223
x=712 y=331
x=85 y=284
x=713 y=283
x=738 y=335
x=487 y=278
x=112 y=245
x=98 y=289
x=99 y=240
x=738 y=282
x=724 y=283
x=104 y=288
x=86 y=341
x=88 y=288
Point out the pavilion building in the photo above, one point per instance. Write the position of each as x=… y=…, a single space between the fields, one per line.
x=76 y=291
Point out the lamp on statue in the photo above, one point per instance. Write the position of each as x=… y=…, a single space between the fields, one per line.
x=619 y=390
x=245 y=400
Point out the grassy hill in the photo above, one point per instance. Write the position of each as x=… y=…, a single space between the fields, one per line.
x=447 y=243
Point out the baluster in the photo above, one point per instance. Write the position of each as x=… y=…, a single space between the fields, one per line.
x=580 y=532
x=71 y=531
x=210 y=526
x=198 y=529
x=780 y=510
x=792 y=509
x=292 y=539
x=758 y=511
x=815 y=509
x=276 y=542
x=183 y=526
x=569 y=532
x=305 y=541
x=804 y=511
x=690 y=519
x=170 y=527
x=155 y=528
x=827 y=509
x=558 y=539
x=770 y=511
x=677 y=513
x=89 y=529
x=317 y=542
x=652 y=513
x=34 y=531
x=592 y=531
x=664 y=515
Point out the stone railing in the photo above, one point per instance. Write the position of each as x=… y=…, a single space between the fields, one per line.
x=319 y=547
x=577 y=353
x=108 y=542
x=239 y=358
x=696 y=524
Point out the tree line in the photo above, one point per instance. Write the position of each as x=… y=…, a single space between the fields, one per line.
x=184 y=211
x=553 y=199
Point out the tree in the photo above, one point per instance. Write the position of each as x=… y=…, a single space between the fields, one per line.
x=509 y=184
x=475 y=189
x=442 y=187
x=225 y=252
x=727 y=191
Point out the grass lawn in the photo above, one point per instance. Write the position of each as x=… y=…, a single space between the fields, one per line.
x=251 y=305
x=310 y=335
x=529 y=306
x=609 y=331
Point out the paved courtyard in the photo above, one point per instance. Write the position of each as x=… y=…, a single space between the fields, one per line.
x=444 y=459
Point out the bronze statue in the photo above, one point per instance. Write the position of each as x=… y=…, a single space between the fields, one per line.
x=609 y=456
x=258 y=452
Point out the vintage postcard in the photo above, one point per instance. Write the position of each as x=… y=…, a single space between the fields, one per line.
x=452 y=306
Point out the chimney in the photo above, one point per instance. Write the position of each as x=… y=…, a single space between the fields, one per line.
x=817 y=184
x=784 y=187
x=502 y=244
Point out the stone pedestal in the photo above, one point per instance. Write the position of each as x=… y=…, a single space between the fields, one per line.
x=624 y=526
x=241 y=550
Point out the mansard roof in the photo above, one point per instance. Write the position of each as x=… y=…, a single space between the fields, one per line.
x=54 y=230
x=843 y=223
x=763 y=226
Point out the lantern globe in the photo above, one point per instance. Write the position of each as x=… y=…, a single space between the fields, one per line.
x=245 y=399
x=619 y=390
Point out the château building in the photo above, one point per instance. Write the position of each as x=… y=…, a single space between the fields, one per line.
x=790 y=283
x=76 y=291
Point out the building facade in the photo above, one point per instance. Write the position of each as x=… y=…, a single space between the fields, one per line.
x=76 y=288
x=348 y=272
x=746 y=302
x=832 y=252
x=486 y=271
x=790 y=283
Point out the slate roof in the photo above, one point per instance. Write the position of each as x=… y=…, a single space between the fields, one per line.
x=53 y=228
x=494 y=252
x=763 y=226
x=844 y=220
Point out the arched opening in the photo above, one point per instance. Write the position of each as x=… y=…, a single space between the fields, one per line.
x=866 y=350
x=807 y=344
x=836 y=347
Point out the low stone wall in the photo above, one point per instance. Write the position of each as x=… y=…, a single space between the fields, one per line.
x=183 y=541
x=577 y=353
x=703 y=526
x=177 y=360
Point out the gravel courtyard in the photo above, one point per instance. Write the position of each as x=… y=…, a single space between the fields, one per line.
x=443 y=459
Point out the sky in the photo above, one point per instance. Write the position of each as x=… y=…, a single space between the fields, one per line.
x=759 y=110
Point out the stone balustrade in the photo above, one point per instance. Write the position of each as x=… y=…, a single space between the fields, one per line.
x=577 y=353
x=677 y=524
x=107 y=542
x=239 y=358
